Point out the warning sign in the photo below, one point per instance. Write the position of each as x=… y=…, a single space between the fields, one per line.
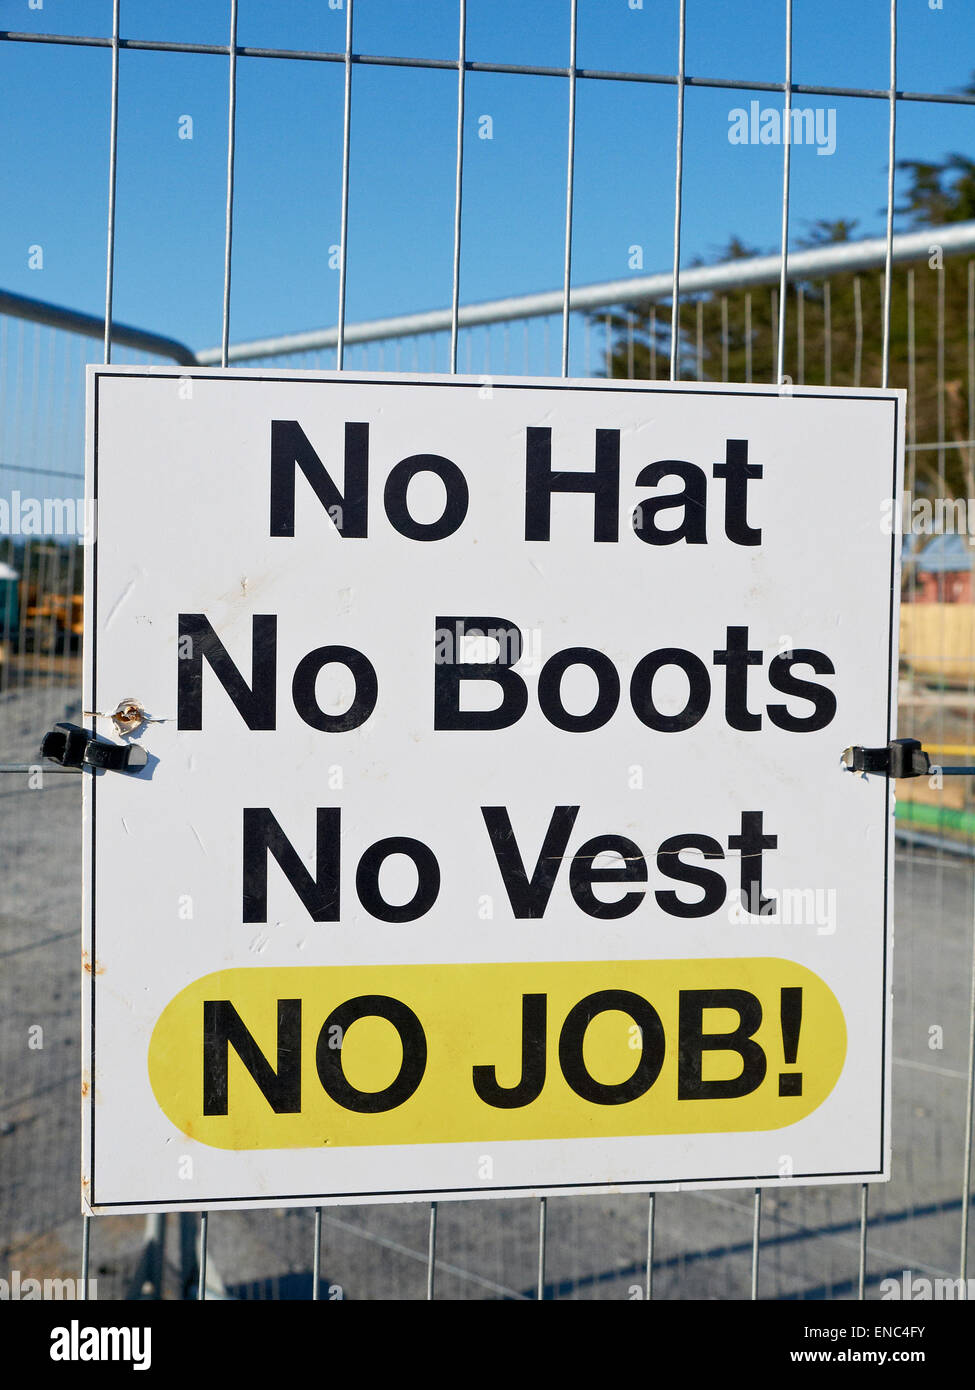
x=487 y=831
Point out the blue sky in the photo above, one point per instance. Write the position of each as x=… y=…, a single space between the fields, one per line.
x=169 y=266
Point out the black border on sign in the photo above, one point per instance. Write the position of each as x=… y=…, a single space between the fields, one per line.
x=542 y=384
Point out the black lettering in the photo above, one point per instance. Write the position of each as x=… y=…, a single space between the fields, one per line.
x=694 y=500
x=348 y=510
x=582 y=875
x=319 y=895
x=223 y=1028
x=255 y=703
x=448 y=675
x=573 y=1035
x=550 y=689
x=532 y=1080
x=694 y=1042
x=427 y=879
x=529 y=896
x=737 y=472
x=455 y=507
x=366 y=689
x=329 y=1059
x=540 y=482
x=670 y=863
x=698 y=692
x=751 y=842
x=823 y=700
x=737 y=657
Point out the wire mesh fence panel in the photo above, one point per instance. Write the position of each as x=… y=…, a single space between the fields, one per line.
x=833 y=312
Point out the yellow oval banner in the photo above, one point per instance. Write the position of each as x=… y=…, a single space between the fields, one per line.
x=299 y=1057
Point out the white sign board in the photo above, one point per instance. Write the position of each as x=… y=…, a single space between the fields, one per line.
x=493 y=837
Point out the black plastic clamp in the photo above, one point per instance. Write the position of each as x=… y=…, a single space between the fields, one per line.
x=72 y=746
x=903 y=757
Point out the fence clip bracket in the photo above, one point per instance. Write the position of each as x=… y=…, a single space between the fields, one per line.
x=903 y=757
x=72 y=746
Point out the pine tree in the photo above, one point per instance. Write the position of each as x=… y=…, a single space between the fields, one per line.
x=834 y=329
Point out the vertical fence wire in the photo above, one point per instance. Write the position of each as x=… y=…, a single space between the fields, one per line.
x=22 y=638
x=969 y=1119
x=42 y=566
x=431 y=1252
x=454 y=319
x=458 y=182
x=678 y=196
x=224 y=353
x=674 y=374
x=229 y=214
x=112 y=179
x=569 y=186
x=862 y=1266
x=884 y=381
x=651 y=1213
x=724 y=337
x=786 y=167
x=344 y=226
x=970 y=1084
x=891 y=166
x=756 y=1240
x=316 y=1266
x=941 y=391
x=201 y=1288
x=85 y=1256
x=566 y=287
x=911 y=376
x=107 y=354
x=4 y=358
x=542 y=1241
x=970 y=354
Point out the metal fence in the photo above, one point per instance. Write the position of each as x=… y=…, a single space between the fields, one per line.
x=869 y=313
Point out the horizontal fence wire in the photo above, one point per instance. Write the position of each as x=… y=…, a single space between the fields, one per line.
x=501 y=69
